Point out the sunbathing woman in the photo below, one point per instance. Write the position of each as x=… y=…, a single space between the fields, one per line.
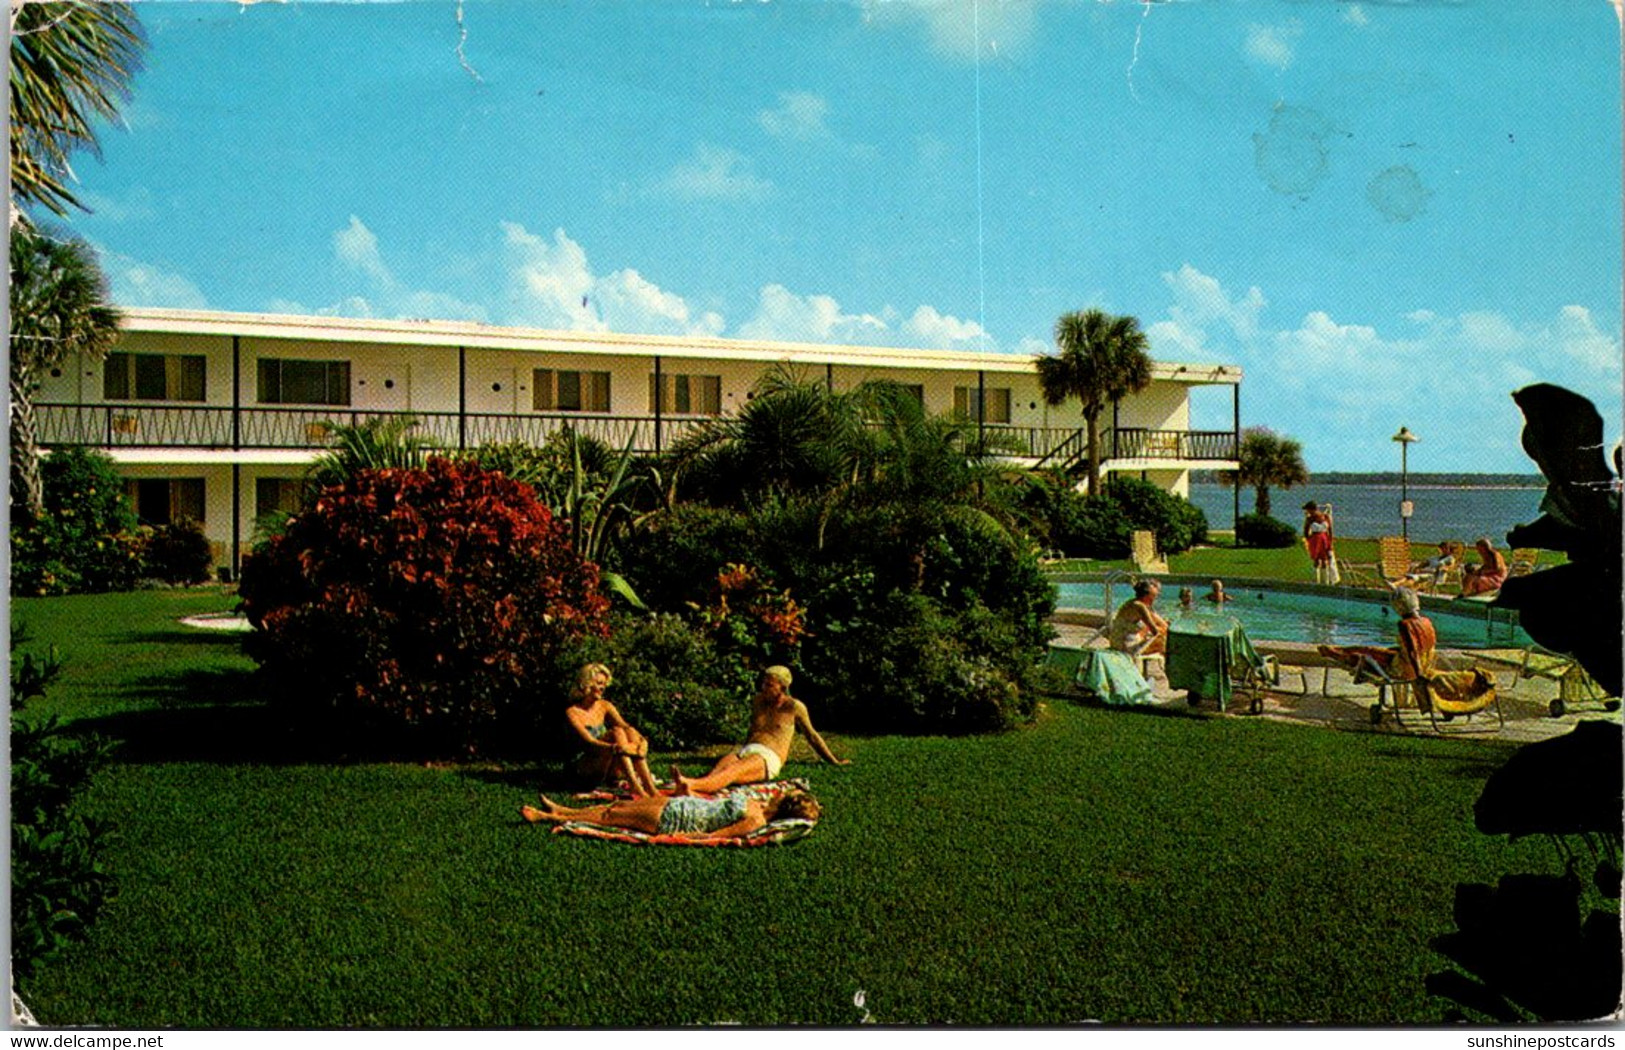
x=1488 y=574
x=609 y=743
x=728 y=817
x=1136 y=629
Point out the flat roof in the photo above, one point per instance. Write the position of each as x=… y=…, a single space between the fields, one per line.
x=475 y=335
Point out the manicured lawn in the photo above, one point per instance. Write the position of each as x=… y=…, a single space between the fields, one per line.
x=1118 y=866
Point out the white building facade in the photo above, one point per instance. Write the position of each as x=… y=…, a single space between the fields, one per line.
x=216 y=416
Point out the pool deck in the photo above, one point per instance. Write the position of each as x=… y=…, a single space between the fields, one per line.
x=1321 y=693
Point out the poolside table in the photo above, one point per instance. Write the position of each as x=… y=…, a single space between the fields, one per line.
x=1205 y=653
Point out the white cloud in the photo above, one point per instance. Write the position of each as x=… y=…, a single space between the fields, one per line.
x=715 y=173
x=1342 y=386
x=1200 y=299
x=1032 y=347
x=1355 y=15
x=552 y=285
x=783 y=315
x=136 y=283
x=1575 y=336
x=799 y=115
x=1273 y=45
x=932 y=329
x=954 y=27
x=355 y=247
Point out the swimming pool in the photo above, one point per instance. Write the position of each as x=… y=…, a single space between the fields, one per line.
x=1318 y=619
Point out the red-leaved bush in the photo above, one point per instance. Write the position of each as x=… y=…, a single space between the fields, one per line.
x=426 y=600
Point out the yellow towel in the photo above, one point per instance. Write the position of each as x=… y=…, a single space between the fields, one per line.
x=1461 y=692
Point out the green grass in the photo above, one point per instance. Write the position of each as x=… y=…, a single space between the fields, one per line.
x=1108 y=865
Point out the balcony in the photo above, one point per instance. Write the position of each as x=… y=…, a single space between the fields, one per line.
x=149 y=426
x=207 y=427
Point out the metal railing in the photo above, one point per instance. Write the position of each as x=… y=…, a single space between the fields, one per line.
x=1141 y=443
x=145 y=425
x=149 y=425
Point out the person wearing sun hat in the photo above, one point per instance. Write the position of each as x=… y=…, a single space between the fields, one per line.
x=775 y=715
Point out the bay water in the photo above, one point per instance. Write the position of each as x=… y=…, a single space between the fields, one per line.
x=1441 y=512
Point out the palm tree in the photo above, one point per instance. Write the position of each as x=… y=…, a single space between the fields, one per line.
x=380 y=443
x=1102 y=359
x=59 y=307
x=71 y=63
x=1267 y=458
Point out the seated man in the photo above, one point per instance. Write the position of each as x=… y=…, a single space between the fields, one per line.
x=1435 y=567
x=1136 y=629
x=774 y=716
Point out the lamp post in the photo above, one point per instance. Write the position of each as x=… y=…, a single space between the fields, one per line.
x=1404 y=437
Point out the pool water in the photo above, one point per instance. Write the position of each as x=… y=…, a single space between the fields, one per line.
x=1312 y=618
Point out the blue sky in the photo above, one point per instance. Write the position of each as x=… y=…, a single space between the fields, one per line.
x=1388 y=213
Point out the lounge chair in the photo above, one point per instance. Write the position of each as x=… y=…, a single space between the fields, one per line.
x=1143 y=546
x=1443 y=695
x=1522 y=562
x=1393 y=563
x=1574 y=685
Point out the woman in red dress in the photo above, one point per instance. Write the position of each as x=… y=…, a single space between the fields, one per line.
x=1317 y=537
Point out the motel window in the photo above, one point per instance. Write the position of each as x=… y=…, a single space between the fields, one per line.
x=916 y=390
x=165 y=501
x=967 y=403
x=284 y=381
x=686 y=395
x=559 y=391
x=278 y=496
x=153 y=377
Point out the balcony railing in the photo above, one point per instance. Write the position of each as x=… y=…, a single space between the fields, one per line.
x=1139 y=443
x=206 y=426
x=147 y=425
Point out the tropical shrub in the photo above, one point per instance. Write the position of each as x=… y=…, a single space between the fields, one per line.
x=900 y=662
x=87 y=538
x=58 y=879
x=178 y=553
x=878 y=598
x=752 y=624
x=1178 y=524
x=425 y=603
x=1257 y=530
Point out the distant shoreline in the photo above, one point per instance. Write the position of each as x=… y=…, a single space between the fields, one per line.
x=1412 y=486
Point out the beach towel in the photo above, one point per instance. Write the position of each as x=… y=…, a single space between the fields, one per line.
x=1461 y=692
x=775 y=833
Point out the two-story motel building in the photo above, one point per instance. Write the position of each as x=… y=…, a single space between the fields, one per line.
x=215 y=416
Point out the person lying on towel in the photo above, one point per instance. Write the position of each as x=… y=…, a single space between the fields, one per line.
x=774 y=716
x=729 y=817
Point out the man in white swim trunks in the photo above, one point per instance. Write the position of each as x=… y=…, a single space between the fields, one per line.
x=775 y=714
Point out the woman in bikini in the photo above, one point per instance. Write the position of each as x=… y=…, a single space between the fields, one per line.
x=1136 y=629
x=731 y=816
x=609 y=744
